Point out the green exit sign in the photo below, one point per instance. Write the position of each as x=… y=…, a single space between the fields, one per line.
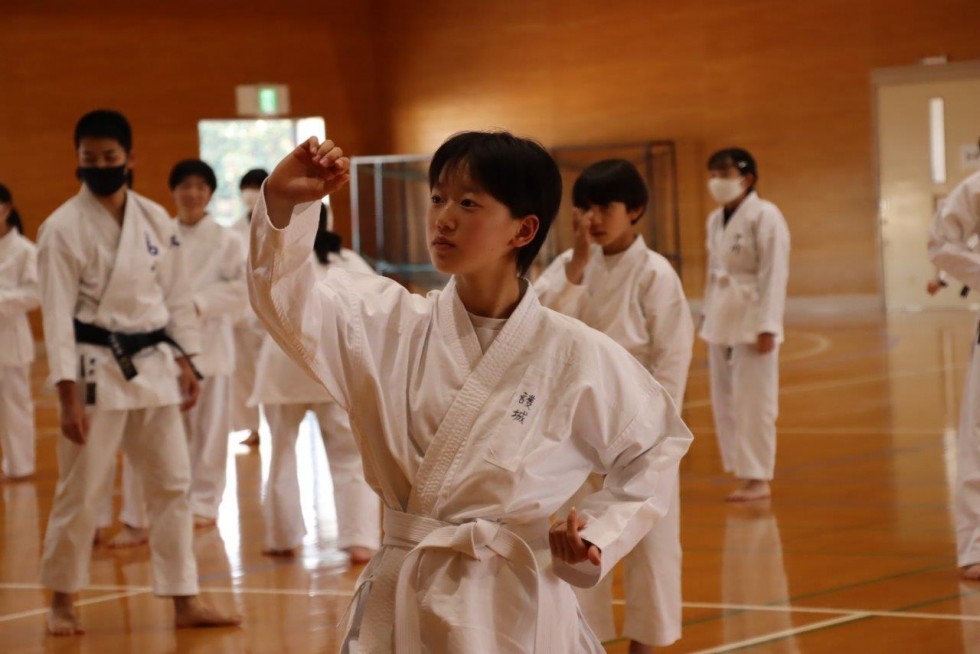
x=268 y=100
x=262 y=100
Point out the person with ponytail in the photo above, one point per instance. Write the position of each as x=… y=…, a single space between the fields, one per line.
x=18 y=296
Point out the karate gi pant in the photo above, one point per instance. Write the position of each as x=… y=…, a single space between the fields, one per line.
x=17 y=433
x=154 y=441
x=206 y=426
x=652 y=580
x=248 y=342
x=967 y=500
x=745 y=403
x=358 y=507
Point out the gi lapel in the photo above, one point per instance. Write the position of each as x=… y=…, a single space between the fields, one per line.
x=442 y=457
x=135 y=243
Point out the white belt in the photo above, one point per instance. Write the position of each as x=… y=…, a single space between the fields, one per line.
x=479 y=540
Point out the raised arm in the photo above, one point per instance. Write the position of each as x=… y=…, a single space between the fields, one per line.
x=555 y=291
x=341 y=329
x=955 y=224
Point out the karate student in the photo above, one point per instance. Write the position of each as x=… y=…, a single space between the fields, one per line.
x=477 y=411
x=214 y=257
x=248 y=332
x=18 y=296
x=614 y=283
x=119 y=325
x=286 y=392
x=742 y=319
x=955 y=226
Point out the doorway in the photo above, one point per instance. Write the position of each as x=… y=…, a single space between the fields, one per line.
x=928 y=127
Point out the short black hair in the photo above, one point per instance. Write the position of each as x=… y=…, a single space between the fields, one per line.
x=253 y=178
x=517 y=172
x=189 y=168
x=608 y=181
x=104 y=124
x=13 y=218
x=738 y=158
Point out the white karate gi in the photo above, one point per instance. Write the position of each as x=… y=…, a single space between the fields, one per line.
x=127 y=280
x=286 y=392
x=955 y=224
x=18 y=296
x=745 y=295
x=248 y=336
x=636 y=298
x=215 y=259
x=472 y=452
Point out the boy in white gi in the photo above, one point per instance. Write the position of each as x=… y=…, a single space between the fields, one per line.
x=614 y=283
x=477 y=411
x=119 y=327
x=214 y=257
x=18 y=296
x=742 y=321
x=248 y=333
x=286 y=392
x=954 y=230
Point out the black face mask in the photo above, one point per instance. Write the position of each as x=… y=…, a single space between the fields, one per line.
x=102 y=181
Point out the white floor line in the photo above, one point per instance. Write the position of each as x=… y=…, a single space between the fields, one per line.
x=959 y=617
x=325 y=592
x=758 y=640
x=121 y=591
x=839 y=383
x=821 y=346
x=93 y=600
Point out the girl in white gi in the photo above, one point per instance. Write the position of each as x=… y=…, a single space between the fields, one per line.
x=248 y=333
x=956 y=225
x=215 y=260
x=117 y=306
x=478 y=412
x=742 y=319
x=18 y=296
x=614 y=283
x=286 y=392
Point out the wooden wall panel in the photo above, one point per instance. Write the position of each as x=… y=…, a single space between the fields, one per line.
x=167 y=66
x=790 y=81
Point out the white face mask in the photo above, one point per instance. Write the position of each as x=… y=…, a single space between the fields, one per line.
x=725 y=190
x=250 y=197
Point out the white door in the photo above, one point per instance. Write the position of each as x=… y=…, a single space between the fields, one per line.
x=928 y=122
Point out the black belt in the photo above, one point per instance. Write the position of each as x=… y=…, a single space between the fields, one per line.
x=124 y=346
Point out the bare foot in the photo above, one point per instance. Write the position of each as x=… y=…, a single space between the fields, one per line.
x=200 y=522
x=971 y=572
x=359 y=555
x=285 y=554
x=639 y=648
x=754 y=489
x=191 y=612
x=252 y=440
x=129 y=537
x=61 y=620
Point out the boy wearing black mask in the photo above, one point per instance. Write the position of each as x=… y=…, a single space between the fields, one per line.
x=119 y=327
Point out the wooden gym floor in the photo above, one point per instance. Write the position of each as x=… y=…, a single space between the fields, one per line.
x=855 y=553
